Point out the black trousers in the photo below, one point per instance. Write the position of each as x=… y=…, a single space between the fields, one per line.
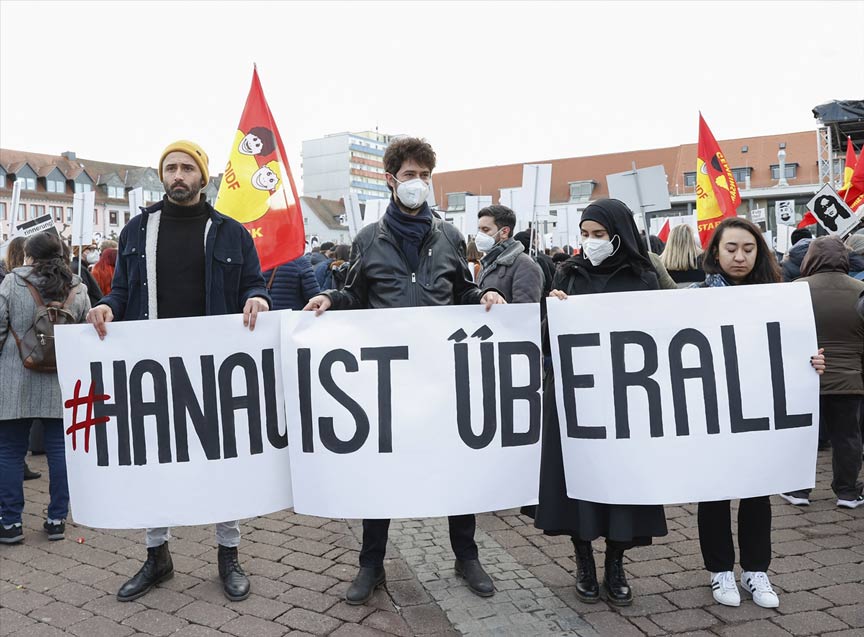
x=754 y=534
x=375 y=539
x=840 y=417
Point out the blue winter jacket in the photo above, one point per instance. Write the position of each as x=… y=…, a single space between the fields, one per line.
x=293 y=285
x=232 y=274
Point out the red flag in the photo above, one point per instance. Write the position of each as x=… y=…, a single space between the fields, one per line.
x=257 y=188
x=664 y=232
x=854 y=195
x=807 y=220
x=849 y=169
x=717 y=194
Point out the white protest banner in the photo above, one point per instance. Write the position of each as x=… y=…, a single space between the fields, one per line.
x=39 y=224
x=784 y=238
x=136 y=201
x=414 y=412
x=832 y=212
x=708 y=396
x=352 y=214
x=14 y=214
x=473 y=205
x=178 y=421
x=82 y=217
x=374 y=210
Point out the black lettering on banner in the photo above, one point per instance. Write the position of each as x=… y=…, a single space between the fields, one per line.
x=158 y=408
x=463 y=395
x=733 y=383
x=325 y=424
x=571 y=381
x=510 y=394
x=304 y=390
x=206 y=420
x=383 y=356
x=271 y=408
x=118 y=410
x=622 y=379
x=782 y=420
x=229 y=403
x=704 y=371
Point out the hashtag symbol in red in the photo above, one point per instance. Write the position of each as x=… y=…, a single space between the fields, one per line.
x=76 y=401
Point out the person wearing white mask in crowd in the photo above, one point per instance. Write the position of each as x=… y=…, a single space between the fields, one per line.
x=506 y=267
x=409 y=258
x=89 y=255
x=613 y=259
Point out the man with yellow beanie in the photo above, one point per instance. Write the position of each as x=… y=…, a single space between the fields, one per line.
x=180 y=257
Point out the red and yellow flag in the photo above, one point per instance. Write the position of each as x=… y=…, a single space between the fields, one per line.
x=854 y=194
x=257 y=188
x=851 y=161
x=717 y=194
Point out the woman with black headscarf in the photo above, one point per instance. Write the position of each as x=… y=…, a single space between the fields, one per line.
x=612 y=259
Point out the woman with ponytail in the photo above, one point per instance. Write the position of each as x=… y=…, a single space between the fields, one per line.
x=26 y=394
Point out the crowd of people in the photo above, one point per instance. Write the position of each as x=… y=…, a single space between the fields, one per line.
x=410 y=258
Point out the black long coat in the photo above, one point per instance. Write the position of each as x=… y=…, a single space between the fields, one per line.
x=556 y=514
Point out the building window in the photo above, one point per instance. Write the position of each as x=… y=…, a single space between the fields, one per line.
x=581 y=191
x=83 y=187
x=455 y=201
x=152 y=195
x=689 y=179
x=126 y=216
x=2 y=211
x=53 y=185
x=69 y=214
x=2 y=181
x=96 y=216
x=22 y=212
x=27 y=183
x=740 y=175
x=112 y=217
x=791 y=171
x=115 y=192
x=56 y=213
x=36 y=211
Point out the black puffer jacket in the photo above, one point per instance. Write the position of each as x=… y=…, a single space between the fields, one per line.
x=791 y=265
x=380 y=277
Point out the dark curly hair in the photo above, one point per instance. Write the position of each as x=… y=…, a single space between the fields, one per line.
x=46 y=250
x=405 y=148
x=765 y=270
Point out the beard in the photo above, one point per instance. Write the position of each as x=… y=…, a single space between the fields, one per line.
x=182 y=194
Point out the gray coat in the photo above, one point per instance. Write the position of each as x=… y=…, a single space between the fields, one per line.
x=25 y=393
x=514 y=274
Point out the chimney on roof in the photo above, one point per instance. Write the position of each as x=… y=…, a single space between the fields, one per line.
x=68 y=155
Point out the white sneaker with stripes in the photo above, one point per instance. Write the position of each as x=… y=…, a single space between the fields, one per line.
x=724 y=588
x=757 y=584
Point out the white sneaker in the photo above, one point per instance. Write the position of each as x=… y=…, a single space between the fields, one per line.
x=756 y=582
x=791 y=499
x=724 y=588
x=851 y=504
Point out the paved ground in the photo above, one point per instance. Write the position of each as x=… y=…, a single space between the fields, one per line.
x=300 y=567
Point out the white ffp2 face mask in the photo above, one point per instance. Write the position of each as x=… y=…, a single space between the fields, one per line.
x=598 y=250
x=485 y=242
x=412 y=193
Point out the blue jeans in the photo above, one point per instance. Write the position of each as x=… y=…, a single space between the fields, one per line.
x=14 y=440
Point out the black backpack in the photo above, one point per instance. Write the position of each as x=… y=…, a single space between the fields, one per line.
x=36 y=346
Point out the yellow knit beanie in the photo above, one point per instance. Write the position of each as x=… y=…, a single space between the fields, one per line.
x=194 y=151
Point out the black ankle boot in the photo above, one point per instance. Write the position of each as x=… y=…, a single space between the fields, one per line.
x=157 y=568
x=367 y=580
x=587 y=588
x=618 y=592
x=235 y=584
x=477 y=579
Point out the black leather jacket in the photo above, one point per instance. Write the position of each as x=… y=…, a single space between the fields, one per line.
x=380 y=277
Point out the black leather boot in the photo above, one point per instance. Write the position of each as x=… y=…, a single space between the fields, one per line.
x=618 y=592
x=367 y=580
x=587 y=588
x=157 y=568
x=235 y=584
x=477 y=579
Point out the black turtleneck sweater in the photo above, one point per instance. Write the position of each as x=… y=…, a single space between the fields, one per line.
x=180 y=283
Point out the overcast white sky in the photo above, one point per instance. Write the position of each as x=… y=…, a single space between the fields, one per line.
x=486 y=82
